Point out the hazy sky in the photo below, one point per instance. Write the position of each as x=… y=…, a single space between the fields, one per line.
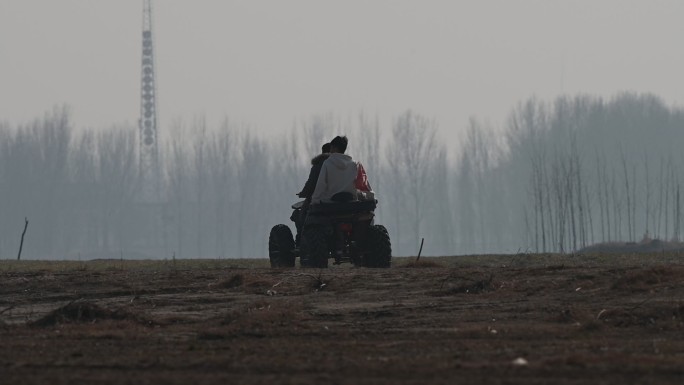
x=270 y=62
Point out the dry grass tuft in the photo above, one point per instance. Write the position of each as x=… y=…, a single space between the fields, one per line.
x=571 y=315
x=259 y=319
x=244 y=282
x=659 y=316
x=456 y=284
x=647 y=279
x=424 y=264
x=83 y=312
x=236 y=280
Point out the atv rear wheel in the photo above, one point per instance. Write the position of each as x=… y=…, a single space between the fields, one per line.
x=281 y=247
x=314 y=250
x=378 y=248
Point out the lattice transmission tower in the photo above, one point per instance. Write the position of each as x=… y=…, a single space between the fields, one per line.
x=150 y=172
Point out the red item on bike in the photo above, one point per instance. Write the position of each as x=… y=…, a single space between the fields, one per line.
x=361 y=182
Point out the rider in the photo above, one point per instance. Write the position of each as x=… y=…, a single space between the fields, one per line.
x=316 y=164
x=298 y=216
x=337 y=180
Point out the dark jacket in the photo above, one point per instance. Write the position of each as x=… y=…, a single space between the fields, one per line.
x=310 y=185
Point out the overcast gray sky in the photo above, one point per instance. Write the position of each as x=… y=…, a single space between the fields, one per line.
x=269 y=62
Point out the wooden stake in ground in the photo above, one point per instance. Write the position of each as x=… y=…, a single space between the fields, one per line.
x=421 y=248
x=21 y=245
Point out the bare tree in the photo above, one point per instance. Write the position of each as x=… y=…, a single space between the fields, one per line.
x=117 y=177
x=319 y=129
x=200 y=149
x=221 y=158
x=178 y=177
x=412 y=153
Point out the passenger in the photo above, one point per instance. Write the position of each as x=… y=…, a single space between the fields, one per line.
x=340 y=176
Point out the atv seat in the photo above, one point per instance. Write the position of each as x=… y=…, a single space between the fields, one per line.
x=342 y=207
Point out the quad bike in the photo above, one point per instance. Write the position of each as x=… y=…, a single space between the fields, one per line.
x=343 y=231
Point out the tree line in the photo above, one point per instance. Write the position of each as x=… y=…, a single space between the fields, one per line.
x=558 y=176
x=582 y=170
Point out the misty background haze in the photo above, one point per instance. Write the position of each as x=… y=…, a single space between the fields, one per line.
x=484 y=126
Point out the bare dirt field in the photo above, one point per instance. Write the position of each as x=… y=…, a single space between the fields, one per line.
x=487 y=320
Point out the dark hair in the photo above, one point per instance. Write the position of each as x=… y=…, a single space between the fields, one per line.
x=326 y=148
x=340 y=143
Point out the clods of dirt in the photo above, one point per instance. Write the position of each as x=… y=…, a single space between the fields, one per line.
x=397 y=326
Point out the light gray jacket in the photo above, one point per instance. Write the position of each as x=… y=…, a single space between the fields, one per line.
x=338 y=174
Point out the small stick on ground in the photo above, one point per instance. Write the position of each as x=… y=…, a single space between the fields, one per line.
x=6 y=309
x=21 y=245
x=421 y=249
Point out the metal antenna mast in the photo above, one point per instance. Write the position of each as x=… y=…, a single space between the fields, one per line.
x=149 y=152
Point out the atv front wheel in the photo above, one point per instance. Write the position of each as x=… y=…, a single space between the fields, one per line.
x=314 y=250
x=378 y=248
x=281 y=247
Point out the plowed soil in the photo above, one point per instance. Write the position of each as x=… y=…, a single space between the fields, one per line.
x=486 y=320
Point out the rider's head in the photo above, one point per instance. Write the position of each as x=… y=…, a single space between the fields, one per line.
x=326 y=148
x=339 y=144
